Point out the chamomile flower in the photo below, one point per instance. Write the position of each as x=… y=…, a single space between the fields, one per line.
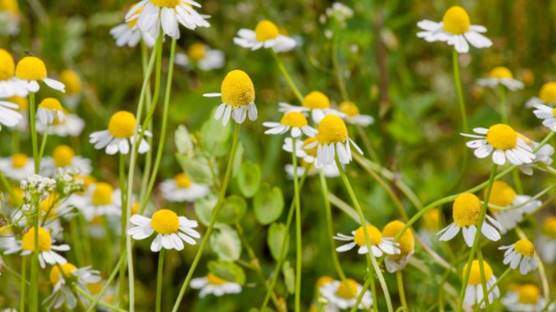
x=501 y=76
x=72 y=126
x=343 y=294
x=474 y=290
x=154 y=15
x=511 y=207
x=30 y=70
x=466 y=212
x=121 y=135
x=214 y=285
x=546 y=240
x=406 y=243
x=316 y=102
x=307 y=151
x=50 y=111
x=543 y=155
x=503 y=142
x=238 y=98
x=73 y=84
x=61 y=277
x=294 y=122
x=171 y=230
x=64 y=158
x=547 y=95
x=9 y=84
x=182 y=189
x=10 y=17
x=23 y=109
x=353 y=116
x=524 y=298
x=430 y=224
x=520 y=254
x=100 y=199
x=17 y=167
x=48 y=251
x=332 y=140
x=547 y=114
x=9 y=114
x=380 y=245
x=201 y=56
x=266 y=35
x=456 y=30
x=128 y=34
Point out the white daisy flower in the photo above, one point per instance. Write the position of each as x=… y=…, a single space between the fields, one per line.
x=456 y=30
x=524 y=298
x=543 y=155
x=238 y=98
x=503 y=142
x=100 y=199
x=9 y=114
x=266 y=35
x=316 y=102
x=501 y=76
x=153 y=15
x=474 y=290
x=466 y=212
x=30 y=70
x=10 y=17
x=72 y=126
x=128 y=34
x=50 y=111
x=182 y=189
x=214 y=285
x=352 y=115
x=510 y=207
x=62 y=293
x=171 y=230
x=294 y=122
x=546 y=241
x=64 y=158
x=121 y=135
x=48 y=251
x=406 y=243
x=301 y=150
x=520 y=254
x=547 y=95
x=547 y=114
x=17 y=167
x=380 y=245
x=200 y=55
x=343 y=294
x=9 y=84
x=330 y=171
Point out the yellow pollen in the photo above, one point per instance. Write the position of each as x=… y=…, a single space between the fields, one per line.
x=406 y=241
x=10 y=6
x=102 y=194
x=67 y=270
x=524 y=247
x=72 y=81
x=528 y=294
x=475 y=272
x=166 y=3
x=431 y=219
x=294 y=119
x=466 y=209
x=19 y=160
x=237 y=89
x=548 y=93
x=63 y=156
x=456 y=20
x=215 y=280
x=349 y=108
x=500 y=72
x=502 y=194
x=135 y=208
x=549 y=227
x=182 y=180
x=7 y=65
x=324 y=280
x=165 y=221
x=316 y=99
x=20 y=101
x=266 y=30
x=373 y=233
x=122 y=124
x=347 y=289
x=332 y=129
x=28 y=240
x=31 y=68
x=197 y=51
x=502 y=137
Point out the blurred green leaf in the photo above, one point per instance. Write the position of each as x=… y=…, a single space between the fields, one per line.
x=249 y=178
x=214 y=137
x=289 y=277
x=275 y=237
x=203 y=208
x=233 y=209
x=225 y=243
x=228 y=271
x=198 y=168
x=183 y=142
x=268 y=204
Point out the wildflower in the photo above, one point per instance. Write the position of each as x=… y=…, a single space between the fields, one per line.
x=9 y=114
x=47 y=250
x=9 y=85
x=379 y=244
x=170 y=230
x=343 y=294
x=129 y=34
x=315 y=102
x=406 y=242
x=73 y=84
x=339 y=12
x=17 y=167
x=501 y=76
x=60 y=276
x=120 y=135
x=200 y=55
x=547 y=114
x=266 y=35
x=474 y=290
x=100 y=199
x=547 y=240
x=182 y=189
x=307 y=151
x=238 y=98
x=214 y=285
x=543 y=155
x=153 y=15
x=466 y=212
x=353 y=116
x=511 y=208
x=547 y=95
x=72 y=125
x=292 y=121
x=503 y=142
x=50 y=111
x=522 y=254
x=30 y=70
x=63 y=157
x=10 y=16
x=456 y=30
x=524 y=298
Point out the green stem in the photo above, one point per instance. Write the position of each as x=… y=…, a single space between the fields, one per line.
x=106 y=285
x=22 y=284
x=459 y=90
x=87 y=295
x=401 y=291
x=337 y=70
x=43 y=145
x=123 y=230
x=298 y=234
x=288 y=78
x=504 y=109
x=159 y=275
x=77 y=249
x=482 y=275
x=33 y=130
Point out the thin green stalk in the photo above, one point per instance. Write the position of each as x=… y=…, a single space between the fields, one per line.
x=43 y=145
x=87 y=295
x=337 y=70
x=459 y=90
x=34 y=291
x=369 y=282
x=401 y=290
x=96 y=300
x=123 y=231
x=214 y=215
x=298 y=238
x=22 y=284
x=159 y=275
x=33 y=130
x=288 y=78
x=76 y=242
x=498 y=280
x=482 y=275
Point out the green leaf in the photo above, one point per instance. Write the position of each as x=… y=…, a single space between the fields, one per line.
x=197 y=168
x=225 y=243
x=215 y=137
x=233 y=209
x=268 y=204
x=275 y=237
x=228 y=271
x=183 y=141
x=203 y=208
x=238 y=160
x=289 y=277
x=249 y=179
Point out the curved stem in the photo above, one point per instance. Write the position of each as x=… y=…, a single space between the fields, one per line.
x=298 y=242
x=159 y=275
x=401 y=291
x=288 y=78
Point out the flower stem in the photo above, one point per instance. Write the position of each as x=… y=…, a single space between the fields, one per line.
x=288 y=78
x=459 y=90
x=96 y=300
x=22 y=284
x=159 y=275
x=123 y=230
x=298 y=234
x=401 y=290
x=87 y=295
x=43 y=145
x=34 y=274
x=33 y=130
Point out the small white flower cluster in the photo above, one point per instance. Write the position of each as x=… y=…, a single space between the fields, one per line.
x=35 y=186
x=67 y=183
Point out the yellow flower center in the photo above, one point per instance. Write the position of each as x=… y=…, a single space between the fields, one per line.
x=166 y=3
x=72 y=81
x=349 y=108
x=372 y=232
x=10 y=6
x=28 y=240
x=7 y=65
x=316 y=99
x=135 y=208
x=312 y=151
x=524 y=247
x=237 y=89
x=20 y=101
x=182 y=180
x=67 y=270
x=431 y=219
x=347 y=289
x=63 y=156
x=47 y=204
x=548 y=92
x=529 y=294
x=324 y=280
x=215 y=280
x=197 y=51
x=165 y=221
x=51 y=104
x=294 y=119
x=549 y=227
x=466 y=209
x=332 y=129
x=31 y=68
x=95 y=288
x=456 y=20
x=406 y=241
x=266 y=30
x=475 y=272
x=19 y=160
x=502 y=137
x=102 y=194
x=122 y=124
x=501 y=194
x=500 y=72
